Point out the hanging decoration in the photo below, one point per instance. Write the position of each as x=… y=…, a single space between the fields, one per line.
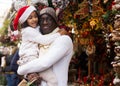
x=19 y=3
x=116 y=39
x=90 y=23
x=60 y=5
x=86 y=8
x=116 y=5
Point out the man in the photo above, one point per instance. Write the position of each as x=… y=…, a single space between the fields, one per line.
x=10 y=75
x=56 y=55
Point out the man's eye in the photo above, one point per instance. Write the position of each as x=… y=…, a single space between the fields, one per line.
x=41 y=20
x=49 y=19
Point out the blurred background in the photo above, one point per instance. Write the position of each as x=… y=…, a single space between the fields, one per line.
x=5 y=6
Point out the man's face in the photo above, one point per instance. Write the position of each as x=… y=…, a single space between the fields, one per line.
x=47 y=24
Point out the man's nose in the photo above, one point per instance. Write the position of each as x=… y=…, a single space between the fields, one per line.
x=45 y=21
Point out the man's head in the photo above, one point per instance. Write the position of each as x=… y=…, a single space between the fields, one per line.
x=48 y=20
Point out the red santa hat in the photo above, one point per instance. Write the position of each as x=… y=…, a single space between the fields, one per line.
x=22 y=15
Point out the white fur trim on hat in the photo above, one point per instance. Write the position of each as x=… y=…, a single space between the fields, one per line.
x=26 y=14
x=16 y=32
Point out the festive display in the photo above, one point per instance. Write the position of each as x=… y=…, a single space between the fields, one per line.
x=116 y=38
x=19 y=3
x=95 y=29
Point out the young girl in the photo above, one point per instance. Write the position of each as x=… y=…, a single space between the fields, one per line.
x=27 y=17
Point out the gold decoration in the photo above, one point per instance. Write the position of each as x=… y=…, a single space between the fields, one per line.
x=92 y=23
x=83 y=12
x=90 y=49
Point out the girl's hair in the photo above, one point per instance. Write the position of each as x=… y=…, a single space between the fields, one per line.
x=25 y=24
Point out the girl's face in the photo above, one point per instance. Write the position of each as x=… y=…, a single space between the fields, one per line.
x=33 y=20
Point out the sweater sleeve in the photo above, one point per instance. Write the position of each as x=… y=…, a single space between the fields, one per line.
x=58 y=50
x=33 y=35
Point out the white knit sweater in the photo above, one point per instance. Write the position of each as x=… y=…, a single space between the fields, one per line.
x=31 y=37
x=57 y=56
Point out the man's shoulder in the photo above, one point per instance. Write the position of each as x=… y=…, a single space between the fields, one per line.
x=64 y=39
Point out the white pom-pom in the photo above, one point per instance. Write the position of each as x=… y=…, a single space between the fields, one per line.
x=15 y=33
x=116 y=80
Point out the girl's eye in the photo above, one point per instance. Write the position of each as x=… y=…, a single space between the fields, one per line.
x=35 y=16
x=30 y=17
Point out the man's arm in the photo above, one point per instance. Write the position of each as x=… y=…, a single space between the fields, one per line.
x=58 y=49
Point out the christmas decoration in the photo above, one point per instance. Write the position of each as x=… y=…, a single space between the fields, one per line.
x=95 y=30
x=116 y=5
x=19 y=3
x=116 y=38
x=43 y=2
x=60 y=5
